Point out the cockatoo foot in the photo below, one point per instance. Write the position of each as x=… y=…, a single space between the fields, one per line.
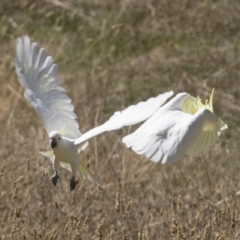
x=73 y=183
x=55 y=178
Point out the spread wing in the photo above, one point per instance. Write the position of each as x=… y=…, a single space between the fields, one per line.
x=130 y=116
x=175 y=134
x=37 y=74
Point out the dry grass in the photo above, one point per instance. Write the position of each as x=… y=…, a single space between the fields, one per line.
x=112 y=54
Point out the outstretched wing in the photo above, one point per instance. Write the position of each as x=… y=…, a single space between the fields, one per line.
x=37 y=74
x=130 y=116
x=175 y=134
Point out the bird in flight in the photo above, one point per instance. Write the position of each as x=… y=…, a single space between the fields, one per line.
x=184 y=125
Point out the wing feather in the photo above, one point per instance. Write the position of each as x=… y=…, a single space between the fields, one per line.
x=196 y=145
x=201 y=143
x=26 y=49
x=208 y=136
x=152 y=148
x=40 y=58
x=34 y=50
x=86 y=174
x=157 y=157
x=47 y=63
x=174 y=134
x=37 y=74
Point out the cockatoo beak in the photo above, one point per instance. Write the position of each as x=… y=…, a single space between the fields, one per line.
x=53 y=142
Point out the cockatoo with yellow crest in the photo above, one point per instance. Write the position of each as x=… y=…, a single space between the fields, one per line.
x=182 y=126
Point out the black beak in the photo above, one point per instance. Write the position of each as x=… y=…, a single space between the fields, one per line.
x=53 y=142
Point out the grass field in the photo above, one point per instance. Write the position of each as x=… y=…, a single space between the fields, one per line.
x=112 y=54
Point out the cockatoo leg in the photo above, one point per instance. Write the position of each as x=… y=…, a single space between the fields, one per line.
x=73 y=183
x=55 y=176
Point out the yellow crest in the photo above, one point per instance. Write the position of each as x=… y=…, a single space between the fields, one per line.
x=192 y=105
x=62 y=131
x=208 y=104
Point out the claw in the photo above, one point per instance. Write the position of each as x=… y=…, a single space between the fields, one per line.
x=73 y=183
x=55 y=178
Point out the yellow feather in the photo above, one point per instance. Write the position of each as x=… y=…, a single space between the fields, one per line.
x=47 y=153
x=208 y=104
x=191 y=105
x=62 y=131
x=86 y=174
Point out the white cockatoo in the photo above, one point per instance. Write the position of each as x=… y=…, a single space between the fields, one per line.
x=184 y=125
x=37 y=74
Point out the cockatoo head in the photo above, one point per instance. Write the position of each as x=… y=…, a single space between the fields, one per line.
x=54 y=137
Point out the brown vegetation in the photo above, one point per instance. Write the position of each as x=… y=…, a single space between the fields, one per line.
x=112 y=54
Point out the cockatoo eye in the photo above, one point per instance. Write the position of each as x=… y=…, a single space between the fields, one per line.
x=53 y=142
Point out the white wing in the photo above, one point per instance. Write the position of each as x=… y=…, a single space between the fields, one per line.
x=37 y=74
x=130 y=116
x=175 y=133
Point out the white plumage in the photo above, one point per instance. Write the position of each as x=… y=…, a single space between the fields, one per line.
x=37 y=75
x=130 y=116
x=171 y=133
x=184 y=125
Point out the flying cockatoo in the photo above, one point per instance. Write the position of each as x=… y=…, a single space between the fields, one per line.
x=184 y=125
x=37 y=74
